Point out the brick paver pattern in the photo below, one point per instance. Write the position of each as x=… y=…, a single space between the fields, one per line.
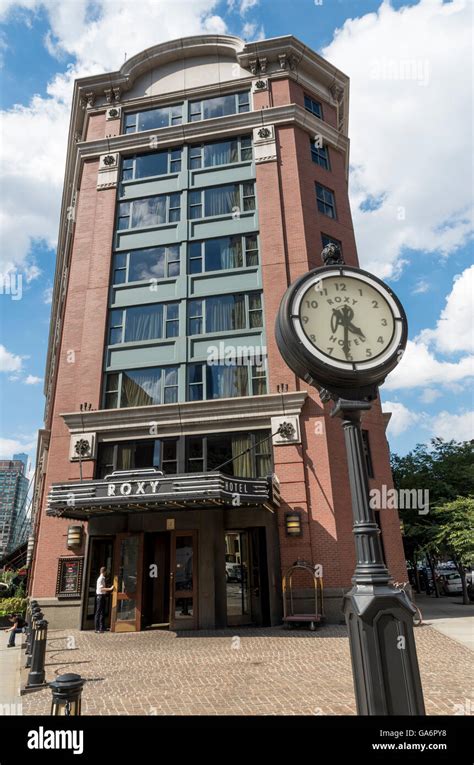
x=237 y=672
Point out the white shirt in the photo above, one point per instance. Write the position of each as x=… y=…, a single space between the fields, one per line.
x=99 y=585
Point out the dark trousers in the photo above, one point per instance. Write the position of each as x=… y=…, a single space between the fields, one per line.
x=13 y=633
x=100 y=613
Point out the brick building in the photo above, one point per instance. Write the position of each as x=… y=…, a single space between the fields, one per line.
x=201 y=179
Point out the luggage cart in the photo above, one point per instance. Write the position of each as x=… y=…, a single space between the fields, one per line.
x=289 y=616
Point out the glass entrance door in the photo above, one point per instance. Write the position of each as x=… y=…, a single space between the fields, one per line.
x=183 y=580
x=237 y=573
x=127 y=593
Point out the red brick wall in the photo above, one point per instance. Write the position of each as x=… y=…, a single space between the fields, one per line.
x=81 y=357
x=313 y=476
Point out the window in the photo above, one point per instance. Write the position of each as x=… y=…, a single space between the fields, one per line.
x=150 y=211
x=367 y=453
x=222 y=200
x=208 y=381
x=141 y=387
x=220 y=153
x=149 y=165
x=247 y=455
x=143 y=322
x=219 y=106
x=136 y=455
x=320 y=155
x=146 y=264
x=225 y=313
x=313 y=106
x=326 y=201
x=330 y=240
x=154 y=118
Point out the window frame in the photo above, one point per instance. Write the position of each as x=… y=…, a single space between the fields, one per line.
x=133 y=159
x=316 y=112
x=250 y=366
x=323 y=161
x=168 y=261
x=241 y=205
x=196 y=106
x=203 y=317
x=118 y=390
x=197 y=152
x=170 y=216
x=171 y=118
x=322 y=203
x=166 y=306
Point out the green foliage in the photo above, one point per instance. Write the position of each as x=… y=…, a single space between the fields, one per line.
x=446 y=469
x=453 y=530
x=13 y=606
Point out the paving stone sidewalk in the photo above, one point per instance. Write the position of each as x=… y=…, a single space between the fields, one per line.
x=238 y=672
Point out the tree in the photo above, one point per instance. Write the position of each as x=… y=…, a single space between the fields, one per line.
x=453 y=534
x=446 y=470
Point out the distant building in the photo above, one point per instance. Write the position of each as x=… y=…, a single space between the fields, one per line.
x=23 y=458
x=13 y=506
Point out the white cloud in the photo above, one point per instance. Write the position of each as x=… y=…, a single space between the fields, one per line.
x=454 y=331
x=402 y=418
x=429 y=395
x=48 y=296
x=33 y=159
x=408 y=149
x=32 y=380
x=9 y=362
x=420 y=287
x=446 y=425
x=419 y=367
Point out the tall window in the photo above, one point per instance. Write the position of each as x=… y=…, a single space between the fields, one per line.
x=222 y=200
x=225 y=313
x=220 y=153
x=320 y=155
x=146 y=264
x=223 y=253
x=208 y=381
x=141 y=387
x=150 y=211
x=152 y=119
x=326 y=201
x=219 y=106
x=313 y=106
x=143 y=322
x=149 y=165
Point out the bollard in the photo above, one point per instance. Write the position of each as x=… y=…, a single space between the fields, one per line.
x=37 y=674
x=29 y=618
x=36 y=616
x=67 y=692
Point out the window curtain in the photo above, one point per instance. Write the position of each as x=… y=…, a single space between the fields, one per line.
x=225 y=313
x=226 y=382
x=221 y=153
x=223 y=254
x=141 y=388
x=125 y=457
x=242 y=462
x=149 y=212
x=144 y=323
x=221 y=200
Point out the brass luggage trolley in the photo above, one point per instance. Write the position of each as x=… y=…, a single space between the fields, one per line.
x=289 y=616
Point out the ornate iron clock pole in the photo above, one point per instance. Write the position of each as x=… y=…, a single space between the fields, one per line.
x=343 y=330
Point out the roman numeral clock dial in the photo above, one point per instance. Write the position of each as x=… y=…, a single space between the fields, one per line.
x=342 y=326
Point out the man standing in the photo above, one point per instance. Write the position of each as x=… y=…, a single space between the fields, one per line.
x=101 y=593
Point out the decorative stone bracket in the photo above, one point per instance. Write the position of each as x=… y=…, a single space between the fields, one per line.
x=289 y=430
x=264 y=144
x=259 y=85
x=108 y=171
x=113 y=113
x=82 y=446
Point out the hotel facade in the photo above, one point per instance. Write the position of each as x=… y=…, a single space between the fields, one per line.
x=178 y=449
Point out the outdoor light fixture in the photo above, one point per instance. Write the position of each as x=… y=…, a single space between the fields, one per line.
x=74 y=536
x=293 y=524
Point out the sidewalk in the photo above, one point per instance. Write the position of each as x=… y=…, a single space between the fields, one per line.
x=448 y=616
x=10 y=665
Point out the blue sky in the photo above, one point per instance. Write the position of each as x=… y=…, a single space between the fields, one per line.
x=406 y=150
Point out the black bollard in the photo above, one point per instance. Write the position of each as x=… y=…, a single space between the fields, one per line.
x=67 y=692
x=36 y=616
x=37 y=673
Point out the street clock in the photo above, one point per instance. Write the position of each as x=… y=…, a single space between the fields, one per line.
x=341 y=328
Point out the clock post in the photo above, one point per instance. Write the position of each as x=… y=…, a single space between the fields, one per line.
x=330 y=324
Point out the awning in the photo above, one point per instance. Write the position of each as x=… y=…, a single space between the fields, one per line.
x=151 y=490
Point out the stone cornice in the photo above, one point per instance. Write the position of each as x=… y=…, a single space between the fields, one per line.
x=188 y=417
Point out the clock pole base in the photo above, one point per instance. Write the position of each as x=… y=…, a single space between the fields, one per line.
x=384 y=662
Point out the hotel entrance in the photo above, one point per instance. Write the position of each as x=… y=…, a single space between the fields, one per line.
x=246 y=577
x=155 y=581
